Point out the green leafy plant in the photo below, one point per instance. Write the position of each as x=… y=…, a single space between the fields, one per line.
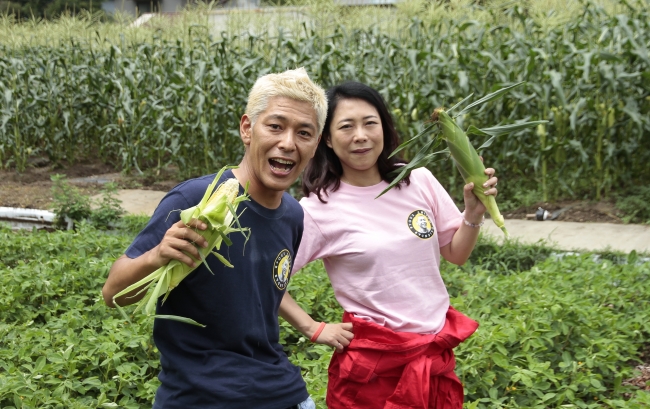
x=635 y=205
x=68 y=203
x=554 y=331
x=109 y=210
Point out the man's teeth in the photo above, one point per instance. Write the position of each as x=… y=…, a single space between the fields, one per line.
x=284 y=162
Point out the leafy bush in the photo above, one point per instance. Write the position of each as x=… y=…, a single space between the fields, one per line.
x=59 y=345
x=109 y=210
x=68 y=202
x=71 y=206
x=562 y=333
x=506 y=258
x=635 y=205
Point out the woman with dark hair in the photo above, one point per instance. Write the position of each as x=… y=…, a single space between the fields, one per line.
x=326 y=169
x=382 y=256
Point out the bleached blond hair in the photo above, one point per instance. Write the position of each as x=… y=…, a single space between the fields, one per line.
x=294 y=84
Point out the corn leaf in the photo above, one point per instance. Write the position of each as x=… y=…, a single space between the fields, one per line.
x=180 y=319
x=410 y=141
x=502 y=129
x=459 y=103
x=489 y=97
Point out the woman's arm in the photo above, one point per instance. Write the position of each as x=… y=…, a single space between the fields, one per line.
x=335 y=335
x=464 y=240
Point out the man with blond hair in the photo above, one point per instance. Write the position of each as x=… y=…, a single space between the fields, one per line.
x=236 y=361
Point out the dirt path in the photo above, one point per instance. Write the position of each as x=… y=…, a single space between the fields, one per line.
x=32 y=189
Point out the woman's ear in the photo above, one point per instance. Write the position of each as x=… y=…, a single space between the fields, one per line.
x=328 y=141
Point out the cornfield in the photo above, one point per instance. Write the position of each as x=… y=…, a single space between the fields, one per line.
x=148 y=104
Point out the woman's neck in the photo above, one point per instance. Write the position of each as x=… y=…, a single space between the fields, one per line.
x=364 y=178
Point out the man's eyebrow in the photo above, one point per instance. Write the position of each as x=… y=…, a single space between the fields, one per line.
x=300 y=125
x=277 y=116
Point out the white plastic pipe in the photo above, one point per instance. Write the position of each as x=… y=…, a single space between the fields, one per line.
x=26 y=218
x=30 y=215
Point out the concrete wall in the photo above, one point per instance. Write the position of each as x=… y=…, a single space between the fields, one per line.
x=240 y=19
x=170 y=6
x=126 y=6
x=255 y=20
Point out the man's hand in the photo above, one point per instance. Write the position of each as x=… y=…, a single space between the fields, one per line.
x=337 y=336
x=179 y=243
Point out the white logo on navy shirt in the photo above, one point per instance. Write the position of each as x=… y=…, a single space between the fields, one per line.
x=281 y=269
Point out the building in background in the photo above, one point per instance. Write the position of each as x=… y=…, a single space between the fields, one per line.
x=140 y=7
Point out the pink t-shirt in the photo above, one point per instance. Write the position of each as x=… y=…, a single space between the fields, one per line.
x=383 y=255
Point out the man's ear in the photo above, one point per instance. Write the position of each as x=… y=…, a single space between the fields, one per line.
x=245 y=129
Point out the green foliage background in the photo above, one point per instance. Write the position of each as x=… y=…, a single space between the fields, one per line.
x=555 y=331
x=148 y=103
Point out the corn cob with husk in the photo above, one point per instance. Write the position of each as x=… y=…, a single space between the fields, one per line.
x=468 y=163
x=217 y=210
x=461 y=150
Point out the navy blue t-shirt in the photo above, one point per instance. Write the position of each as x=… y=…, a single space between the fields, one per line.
x=236 y=361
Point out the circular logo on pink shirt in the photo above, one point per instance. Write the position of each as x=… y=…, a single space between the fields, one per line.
x=420 y=224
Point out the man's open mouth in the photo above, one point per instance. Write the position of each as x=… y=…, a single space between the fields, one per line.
x=282 y=165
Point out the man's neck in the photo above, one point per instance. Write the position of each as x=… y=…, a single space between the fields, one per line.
x=270 y=199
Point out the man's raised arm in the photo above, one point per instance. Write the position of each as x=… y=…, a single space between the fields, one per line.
x=179 y=243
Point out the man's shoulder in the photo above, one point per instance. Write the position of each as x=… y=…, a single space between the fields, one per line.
x=194 y=189
x=293 y=207
x=196 y=183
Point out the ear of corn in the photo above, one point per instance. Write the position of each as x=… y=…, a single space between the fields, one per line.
x=461 y=150
x=468 y=163
x=218 y=210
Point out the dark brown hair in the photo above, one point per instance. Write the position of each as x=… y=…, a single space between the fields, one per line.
x=324 y=171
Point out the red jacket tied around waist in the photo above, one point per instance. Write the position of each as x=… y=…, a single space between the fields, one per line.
x=382 y=368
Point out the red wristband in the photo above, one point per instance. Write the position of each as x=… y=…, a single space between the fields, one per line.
x=317 y=333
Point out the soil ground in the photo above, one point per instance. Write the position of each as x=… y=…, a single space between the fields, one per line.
x=31 y=189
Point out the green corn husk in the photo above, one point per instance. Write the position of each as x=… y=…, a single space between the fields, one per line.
x=468 y=163
x=217 y=210
x=463 y=153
